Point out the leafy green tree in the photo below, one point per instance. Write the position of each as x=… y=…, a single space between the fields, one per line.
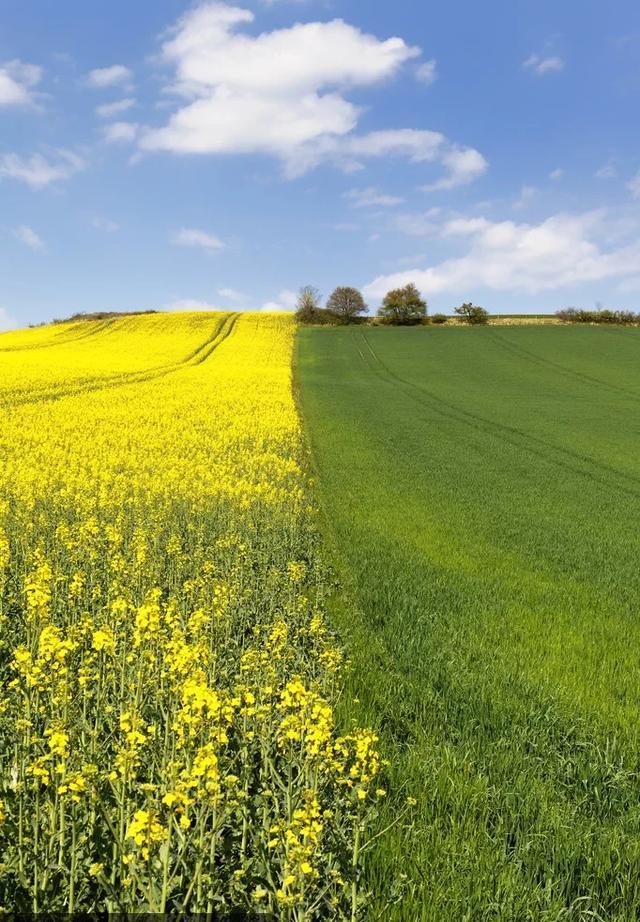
x=471 y=313
x=439 y=318
x=403 y=306
x=346 y=303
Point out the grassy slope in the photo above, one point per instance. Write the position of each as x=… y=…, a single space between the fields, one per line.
x=483 y=492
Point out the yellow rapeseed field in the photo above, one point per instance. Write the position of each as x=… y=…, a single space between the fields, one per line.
x=167 y=738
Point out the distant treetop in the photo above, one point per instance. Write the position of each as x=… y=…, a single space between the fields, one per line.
x=403 y=306
x=346 y=303
x=472 y=313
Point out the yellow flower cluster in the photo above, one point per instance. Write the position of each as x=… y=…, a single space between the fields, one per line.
x=167 y=731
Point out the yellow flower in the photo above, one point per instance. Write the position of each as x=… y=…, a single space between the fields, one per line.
x=103 y=640
x=58 y=742
x=147 y=619
x=297 y=570
x=146 y=830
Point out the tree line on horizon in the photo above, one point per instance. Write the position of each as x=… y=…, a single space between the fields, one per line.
x=400 y=307
x=599 y=315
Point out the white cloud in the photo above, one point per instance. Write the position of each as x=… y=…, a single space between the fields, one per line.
x=109 y=76
x=38 y=171
x=120 y=132
x=104 y=224
x=427 y=72
x=189 y=237
x=556 y=174
x=372 y=197
x=540 y=66
x=17 y=81
x=606 y=171
x=464 y=165
x=634 y=185
x=207 y=54
x=7 y=322
x=109 y=109
x=285 y=301
x=557 y=253
x=29 y=237
x=282 y=93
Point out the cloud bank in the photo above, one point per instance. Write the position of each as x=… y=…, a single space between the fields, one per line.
x=562 y=251
x=283 y=93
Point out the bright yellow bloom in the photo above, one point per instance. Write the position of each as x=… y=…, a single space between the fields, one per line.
x=103 y=640
x=173 y=676
x=145 y=830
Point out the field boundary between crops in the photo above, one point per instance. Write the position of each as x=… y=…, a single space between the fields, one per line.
x=344 y=601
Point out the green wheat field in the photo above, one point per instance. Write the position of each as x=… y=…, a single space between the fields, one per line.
x=480 y=491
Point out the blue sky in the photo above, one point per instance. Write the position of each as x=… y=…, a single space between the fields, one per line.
x=174 y=155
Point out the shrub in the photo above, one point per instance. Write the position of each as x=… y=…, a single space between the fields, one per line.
x=599 y=315
x=346 y=303
x=307 y=304
x=439 y=318
x=403 y=306
x=471 y=313
x=325 y=317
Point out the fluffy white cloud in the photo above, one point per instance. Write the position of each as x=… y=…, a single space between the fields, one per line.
x=556 y=174
x=109 y=109
x=109 y=76
x=559 y=252
x=7 y=322
x=189 y=237
x=38 y=171
x=120 y=132
x=29 y=237
x=427 y=72
x=463 y=165
x=285 y=301
x=282 y=93
x=17 y=81
x=372 y=197
x=207 y=54
x=634 y=185
x=540 y=66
